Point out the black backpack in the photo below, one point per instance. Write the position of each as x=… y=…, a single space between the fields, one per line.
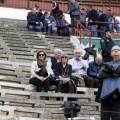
x=70 y=109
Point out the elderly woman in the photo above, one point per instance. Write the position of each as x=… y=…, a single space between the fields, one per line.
x=63 y=73
x=40 y=72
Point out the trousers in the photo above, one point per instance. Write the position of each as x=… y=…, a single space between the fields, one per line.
x=39 y=84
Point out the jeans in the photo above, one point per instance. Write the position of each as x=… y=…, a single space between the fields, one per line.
x=112 y=107
x=101 y=34
x=34 y=27
x=93 y=27
x=39 y=84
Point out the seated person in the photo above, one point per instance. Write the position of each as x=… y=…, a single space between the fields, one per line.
x=79 y=67
x=33 y=23
x=40 y=17
x=53 y=62
x=40 y=72
x=49 y=24
x=63 y=73
x=83 y=14
x=63 y=26
x=94 y=68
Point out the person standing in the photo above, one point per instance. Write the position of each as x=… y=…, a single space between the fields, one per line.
x=106 y=44
x=92 y=16
x=102 y=26
x=110 y=92
x=74 y=11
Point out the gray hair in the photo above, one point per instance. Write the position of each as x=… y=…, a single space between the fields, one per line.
x=78 y=50
x=58 y=49
x=114 y=47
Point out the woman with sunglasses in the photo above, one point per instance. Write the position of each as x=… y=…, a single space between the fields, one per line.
x=63 y=74
x=40 y=72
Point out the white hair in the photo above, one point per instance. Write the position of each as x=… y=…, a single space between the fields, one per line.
x=115 y=47
x=57 y=49
x=78 y=50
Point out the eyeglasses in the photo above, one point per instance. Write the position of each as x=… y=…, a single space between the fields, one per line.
x=41 y=55
x=78 y=53
x=64 y=57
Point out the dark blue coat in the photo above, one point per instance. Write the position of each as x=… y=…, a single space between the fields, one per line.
x=52 y=19
x=32 y=19
x=102 y=18
x=62 y=24
x=92 y=15
x=92 y=71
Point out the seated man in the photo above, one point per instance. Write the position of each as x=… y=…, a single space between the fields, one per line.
x=80 y=66
x=53 y=62
x=94 y=68
x=49 y=24
x=63 y=26
x=33 y=23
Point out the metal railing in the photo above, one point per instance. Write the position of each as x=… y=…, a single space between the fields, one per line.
x=81 y=28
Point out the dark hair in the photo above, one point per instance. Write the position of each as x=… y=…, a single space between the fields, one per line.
x=83 y=9
x=40 y=52
x=46 y=13
x=61 y=16
x=90 y=6
x=112 y=14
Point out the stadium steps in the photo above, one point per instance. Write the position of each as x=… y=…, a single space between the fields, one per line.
x=18 y=101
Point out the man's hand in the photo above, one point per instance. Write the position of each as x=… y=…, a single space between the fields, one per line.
x=36 y=22
x=68 y=12
x=98 y=75
x=91 y=21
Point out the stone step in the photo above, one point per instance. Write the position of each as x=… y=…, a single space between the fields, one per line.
x=52 y=104
x=16 y=86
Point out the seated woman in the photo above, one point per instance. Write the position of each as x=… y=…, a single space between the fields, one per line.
x=40 y=72
x=63 y=26
x=63 y=73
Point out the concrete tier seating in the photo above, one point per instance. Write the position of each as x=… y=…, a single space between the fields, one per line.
x=18 y=99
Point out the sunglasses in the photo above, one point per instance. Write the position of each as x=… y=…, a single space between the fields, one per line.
x=64 y=57
x=41 y=55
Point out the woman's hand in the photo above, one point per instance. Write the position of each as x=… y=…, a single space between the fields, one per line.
x=42 y=78
x=37 y=70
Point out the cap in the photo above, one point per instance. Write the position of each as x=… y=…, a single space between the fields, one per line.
x=108 y=9
x=108 y=30
x=36 y=5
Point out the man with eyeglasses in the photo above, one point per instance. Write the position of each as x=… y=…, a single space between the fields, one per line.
x=110 y=92
x=80 y=66
x=106 y=44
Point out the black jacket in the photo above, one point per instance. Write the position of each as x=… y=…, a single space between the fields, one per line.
x=92 y=15
x=106 y=45
x=60 y=71
x=102 y=18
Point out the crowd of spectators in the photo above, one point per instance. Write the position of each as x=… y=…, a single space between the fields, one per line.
x=64 y=73
x=55 y=21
